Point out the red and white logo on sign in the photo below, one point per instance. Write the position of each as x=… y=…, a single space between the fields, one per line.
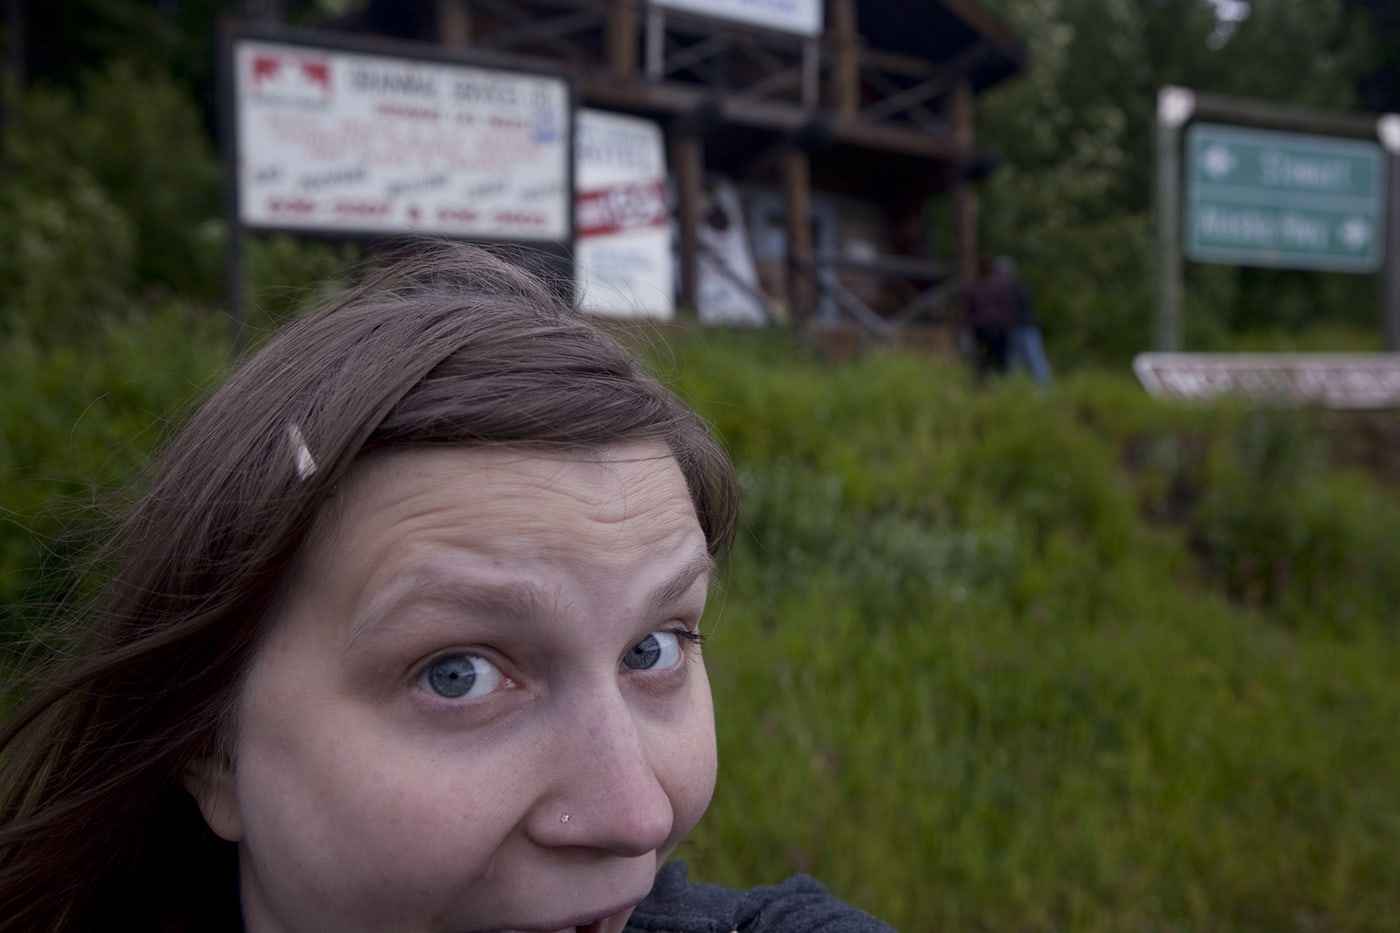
x=291 y=74
x=630 y=206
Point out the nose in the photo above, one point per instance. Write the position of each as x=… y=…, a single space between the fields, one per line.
x=606 y=791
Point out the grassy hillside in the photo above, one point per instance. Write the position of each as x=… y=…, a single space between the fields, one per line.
x=983 y=660
x=1062 y=661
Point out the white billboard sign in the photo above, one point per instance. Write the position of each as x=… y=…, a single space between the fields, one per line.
x=803 y=17
x=727 y=289
x=345 y=141
x=623 y=250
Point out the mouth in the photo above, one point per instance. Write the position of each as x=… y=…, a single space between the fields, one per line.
x=596 y=925
x=593 y=926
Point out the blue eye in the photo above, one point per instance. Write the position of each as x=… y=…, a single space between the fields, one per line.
x=657 y=650
x=461 y=675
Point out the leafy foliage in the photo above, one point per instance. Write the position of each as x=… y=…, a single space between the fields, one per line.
x=77 y=420
x=65 y=255
x=100 y=196
x=283 y=274
x=1074 y=199
x=982 y=660
x=976 y=669
x=1278 y=528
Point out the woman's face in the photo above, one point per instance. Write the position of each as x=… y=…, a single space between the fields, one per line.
x=480 y=708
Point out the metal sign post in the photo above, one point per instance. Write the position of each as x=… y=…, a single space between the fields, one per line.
x=1260 y=196
x=1174 y=107
x=1388 y=129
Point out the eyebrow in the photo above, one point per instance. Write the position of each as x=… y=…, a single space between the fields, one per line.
x=427 y=586
x=673 y=589
x=511 y=600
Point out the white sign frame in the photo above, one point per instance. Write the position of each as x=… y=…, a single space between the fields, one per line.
x=800 y=17
x=623 y=252
x=338 y=140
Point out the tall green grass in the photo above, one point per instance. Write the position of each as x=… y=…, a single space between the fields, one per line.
x=77 y=420
x=1071 y=660
x=983 y=660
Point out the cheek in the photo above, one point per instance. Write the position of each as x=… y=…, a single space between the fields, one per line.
x=347 y=812
x=692 y=768
x=368 y=828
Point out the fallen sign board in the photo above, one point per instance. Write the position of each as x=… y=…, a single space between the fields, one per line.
x=1332 y=380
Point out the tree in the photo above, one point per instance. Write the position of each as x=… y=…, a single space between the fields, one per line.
x=1074 y=199
x=1379 y=85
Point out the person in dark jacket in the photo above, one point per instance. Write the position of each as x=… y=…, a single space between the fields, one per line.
x=403 y=634
x=986 y=313
x=798 y=905
x=1025 y=344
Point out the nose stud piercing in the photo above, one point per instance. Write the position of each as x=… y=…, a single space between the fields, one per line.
x=564 y=818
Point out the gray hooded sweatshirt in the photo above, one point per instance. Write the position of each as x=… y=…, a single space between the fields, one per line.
x=798 y=905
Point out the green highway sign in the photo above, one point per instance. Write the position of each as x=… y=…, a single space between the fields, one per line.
x=1285 y=200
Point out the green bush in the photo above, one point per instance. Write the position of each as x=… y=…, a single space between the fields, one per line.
x=1279 y=528
x=132 y=142
x=975 y=669
x=77 y=420
x=285 y=274
x=983 y=660
x=66 y=258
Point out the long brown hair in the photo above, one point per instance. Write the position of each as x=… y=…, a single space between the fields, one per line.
x=454 y=347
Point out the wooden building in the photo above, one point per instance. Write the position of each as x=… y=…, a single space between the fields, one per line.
x=836 y=128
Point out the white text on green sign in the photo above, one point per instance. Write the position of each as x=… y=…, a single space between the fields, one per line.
x=1285 y=200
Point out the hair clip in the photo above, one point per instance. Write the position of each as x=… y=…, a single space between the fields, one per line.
x=301 y=454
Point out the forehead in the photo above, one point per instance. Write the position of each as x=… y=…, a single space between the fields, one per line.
x=606 y=484
x=603 y=506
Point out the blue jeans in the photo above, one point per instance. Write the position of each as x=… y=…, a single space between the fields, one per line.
x=1025 y=348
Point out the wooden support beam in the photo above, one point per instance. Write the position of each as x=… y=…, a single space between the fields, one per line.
x=905 y=66
x=623 y=31
x=655 y=60
x=922 y=142
x=811 y=73
x=697 y=53
x=14 y=44
x=12 y=71
x=688 y=170
x=557 y=33
x=845 y=59
x=775 y=83
x=909 y=99
x=964 y=197
x=1390 y=271
x=984 y=23
x=965 y=219
x=680 y=99
x=269 y=11
x=749 y=52
x=454 y=23
x=797 y=197
x=916 y=112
